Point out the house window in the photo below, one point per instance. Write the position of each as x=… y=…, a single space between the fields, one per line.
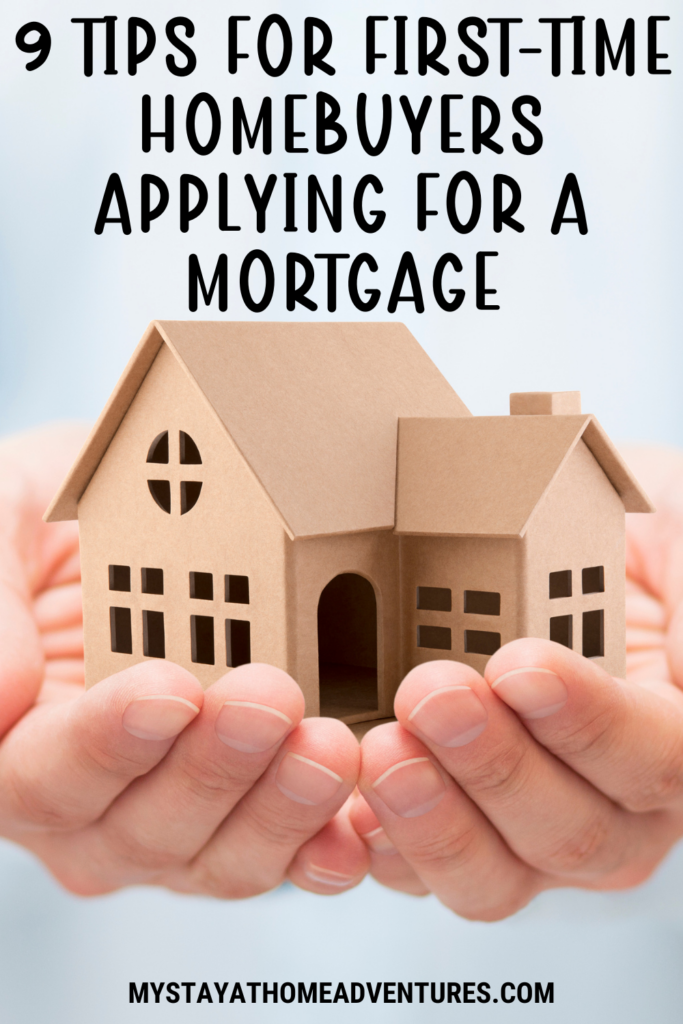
x=158 y=450
x=481 y=641
x=153 y=636
x=119 y=577
x=189 y=495
x=120 y=629
x=237 y=642
x=237 y=589
x=438 y=638
x=201 y=632
x=593 y=634
x=482 y=602
x=188 y=456
x=189 y=452
x=561 y=630
x=152 y=581
x=434 y=599
x=560 y=583
x=201 y=586
x=161 y=492
x=593 y=580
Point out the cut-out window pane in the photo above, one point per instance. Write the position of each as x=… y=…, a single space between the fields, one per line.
x=481 y=641
x=438 y=638
x=153 y=636
x=161 y=492
x=482 y=602
x=434 y=599
x=237 y=589
x=120 y=629
x=593 y=580
x=201 y=629
x=562 y=630
x=560 y=583
x=189 y=452
x=237 y=642
x=158 y=450
x=201 y=586
x=152 y=581
x=189 y=495
x=593 y=634
x=119 y=577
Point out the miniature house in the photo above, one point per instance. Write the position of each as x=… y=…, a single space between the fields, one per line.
x=316 y=496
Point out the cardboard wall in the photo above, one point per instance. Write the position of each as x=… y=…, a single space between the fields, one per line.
x=458 y=564
x=578 y=524
x=312 y=564
x=232 y=529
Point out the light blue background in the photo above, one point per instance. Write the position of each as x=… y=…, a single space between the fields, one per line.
x=598 y=313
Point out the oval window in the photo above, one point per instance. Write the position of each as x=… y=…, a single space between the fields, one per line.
x=188 y=455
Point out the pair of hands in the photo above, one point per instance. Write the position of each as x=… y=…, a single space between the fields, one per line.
x=545 y=773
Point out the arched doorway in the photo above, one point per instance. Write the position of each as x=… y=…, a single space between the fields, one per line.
x=347 y=646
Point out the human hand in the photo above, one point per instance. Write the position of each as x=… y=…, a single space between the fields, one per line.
x=547 y=772
x=144 y=778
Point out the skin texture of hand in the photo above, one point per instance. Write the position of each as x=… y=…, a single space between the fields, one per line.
x=144 y=778
x=547 y=772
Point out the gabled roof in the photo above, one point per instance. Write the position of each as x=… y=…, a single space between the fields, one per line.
x=313 y=408
x=485 y=475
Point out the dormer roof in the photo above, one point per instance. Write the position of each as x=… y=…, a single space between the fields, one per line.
x=486 y=475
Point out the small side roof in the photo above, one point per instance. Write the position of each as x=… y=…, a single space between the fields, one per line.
x=313 y=408
x=485 y=475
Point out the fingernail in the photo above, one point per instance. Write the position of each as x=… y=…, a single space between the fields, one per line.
x=379 y=841
x=327 y=877
x=158 y=716
x=532 y=692
x=451 y=716
x=306 y=781
x=251 y=728
x=410 y=788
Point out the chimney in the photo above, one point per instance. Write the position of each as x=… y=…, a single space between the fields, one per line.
x=545 y=403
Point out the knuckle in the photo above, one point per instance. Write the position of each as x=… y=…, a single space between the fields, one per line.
x=584 y=850
x=273 y=832
x=32 y=803
x=445 y=852
x=498 y=911
x=96 y=760
x=590 y=739
x=504 y=773
x=138 y=856
x=205 y=780
x=211 y=879
x=658 y=788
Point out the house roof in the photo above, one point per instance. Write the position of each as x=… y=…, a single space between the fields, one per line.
x=485 y=475
x=312 y=407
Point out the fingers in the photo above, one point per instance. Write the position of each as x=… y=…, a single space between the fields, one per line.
x=626 y=739
x=334 y=860
x=308 y=781
x=387 y=865
x=168 y=817
x=59 y=617
x=548 y=815
x=63 y=764
x=21 y=652
x=446 y=839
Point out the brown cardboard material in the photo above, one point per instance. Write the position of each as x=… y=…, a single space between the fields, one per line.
x=339 y=473
x=545 y=403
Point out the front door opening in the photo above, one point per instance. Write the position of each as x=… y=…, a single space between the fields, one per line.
x=347 y=647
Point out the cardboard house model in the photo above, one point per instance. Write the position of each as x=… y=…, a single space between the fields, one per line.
x=316 y=496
